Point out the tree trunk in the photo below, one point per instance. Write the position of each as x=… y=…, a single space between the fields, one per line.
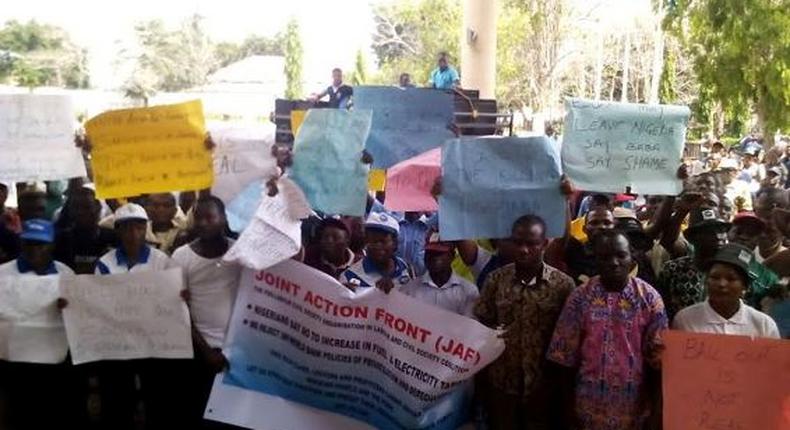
x=658 y=54
x=599 y=66
x=768 y=135
x=626 y=66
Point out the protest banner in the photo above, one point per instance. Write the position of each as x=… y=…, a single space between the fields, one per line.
x=37 y=138
x=275 y=232
x=386 y=360
x=725 y=382
x=377 y=180
x=409 y=182
x=126 y=316
x=488 y=183
x=243 y=153
x=327 y=162
x=150 y=150
x=406 y=122
x=31 y=326
x=609 y=146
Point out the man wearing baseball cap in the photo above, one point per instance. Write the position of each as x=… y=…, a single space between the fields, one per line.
x=35 y=259
x=439 y=286
x=117 y=378
x=380 y=267
x=133 y=254
x=30 y=380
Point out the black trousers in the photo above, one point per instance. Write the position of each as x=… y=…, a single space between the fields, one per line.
x=38 y=396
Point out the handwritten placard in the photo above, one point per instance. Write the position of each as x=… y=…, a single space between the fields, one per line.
x=327 y=160
x=406 y=122
x=409 y=182
x=31 y=326
x=488 y=183
x=242 y=155
x=609 y=146
x=274 y=234
x=37 y=138
x=150 y=150
x=126 y=316
x=725 y=382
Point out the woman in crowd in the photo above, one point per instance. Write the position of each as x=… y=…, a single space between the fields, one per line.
x=726 y=282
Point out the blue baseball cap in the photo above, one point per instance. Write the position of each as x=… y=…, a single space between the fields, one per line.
x=39 y=230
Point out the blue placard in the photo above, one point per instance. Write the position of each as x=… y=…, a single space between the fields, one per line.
x=488 y=183
x=406 y=122
x=327 y=160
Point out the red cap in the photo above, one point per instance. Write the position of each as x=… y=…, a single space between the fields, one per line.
x=434 y=243
x=619 y=198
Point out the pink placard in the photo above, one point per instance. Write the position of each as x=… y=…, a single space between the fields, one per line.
x=409 y=182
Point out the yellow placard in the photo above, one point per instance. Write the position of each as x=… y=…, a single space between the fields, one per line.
x=377 y=179
x=150 y=150
x=297 y=118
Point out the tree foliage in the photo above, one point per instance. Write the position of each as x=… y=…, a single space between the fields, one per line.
x=33 y=54
x=741 y=53
x=409 y=34
x=228 y=52
x=293 y=61
x=174 y=59
x=360 y=74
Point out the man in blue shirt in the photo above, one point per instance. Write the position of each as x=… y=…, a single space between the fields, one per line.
x=444 y=77
x=414 y=229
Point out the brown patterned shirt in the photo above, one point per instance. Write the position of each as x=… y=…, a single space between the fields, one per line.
x=528 y=313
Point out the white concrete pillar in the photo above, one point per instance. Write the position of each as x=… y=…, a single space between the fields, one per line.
x=478 y=46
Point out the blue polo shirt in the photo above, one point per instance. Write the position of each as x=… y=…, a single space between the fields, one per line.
x=366 y=274
x=444 y=79
x=411 y=241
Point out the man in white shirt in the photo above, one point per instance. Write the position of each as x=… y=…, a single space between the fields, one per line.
x=439 y=286
x=212 y=285
x=134 y=255
x=380 y=267
x=28 y=385
x=117 y=378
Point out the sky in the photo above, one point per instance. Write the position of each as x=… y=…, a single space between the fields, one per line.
x=332 y=31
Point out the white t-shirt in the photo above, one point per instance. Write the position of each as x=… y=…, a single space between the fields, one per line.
x=457 y=295
x=212 y=285
x=701 y=318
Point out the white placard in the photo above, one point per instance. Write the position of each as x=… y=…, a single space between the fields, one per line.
x=126 y=316
x=37 y=138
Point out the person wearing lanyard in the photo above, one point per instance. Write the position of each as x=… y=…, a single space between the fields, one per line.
x=28 y=382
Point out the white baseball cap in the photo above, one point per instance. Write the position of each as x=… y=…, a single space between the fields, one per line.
x=383 y=221
x=130 y=211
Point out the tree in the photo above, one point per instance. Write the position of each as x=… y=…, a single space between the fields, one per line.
x=293 y=61
x=33 y=54
x=175 y=59
x=228 y=52
x=409 y=35
x=741 y=55
x=360 y=74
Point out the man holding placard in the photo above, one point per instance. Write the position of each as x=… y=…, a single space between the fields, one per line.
x=36 y=371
